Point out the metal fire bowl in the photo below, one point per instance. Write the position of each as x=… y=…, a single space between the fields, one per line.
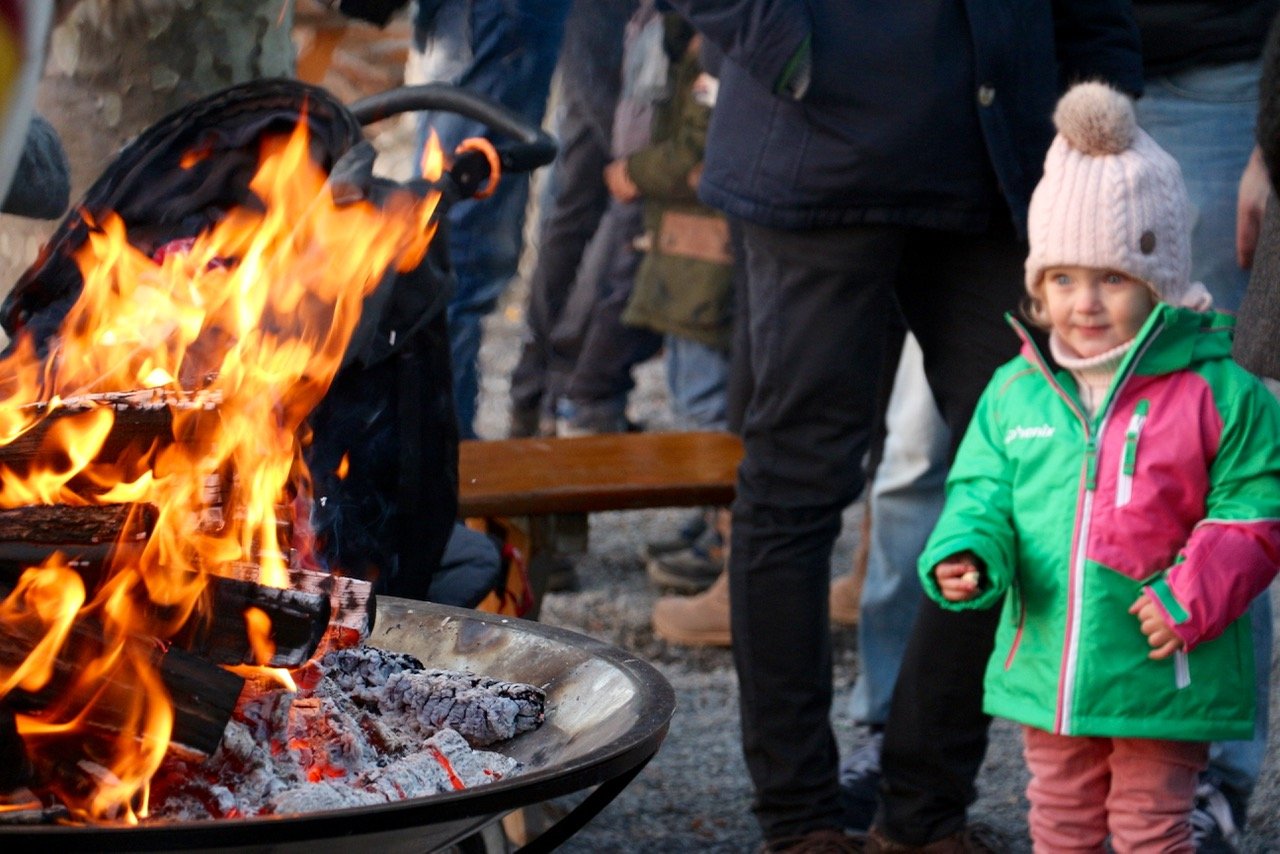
x=607 y=714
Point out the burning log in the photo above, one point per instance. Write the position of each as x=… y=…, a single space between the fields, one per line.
x=143 y=421
x=203 y=694
x=90 y=536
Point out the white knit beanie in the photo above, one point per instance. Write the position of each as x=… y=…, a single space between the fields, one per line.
x=1110 y=197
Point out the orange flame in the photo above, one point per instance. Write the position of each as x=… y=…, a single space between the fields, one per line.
x=237 y=337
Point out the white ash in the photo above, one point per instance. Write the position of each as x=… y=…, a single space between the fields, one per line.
x=358 y=737
x=482 y=709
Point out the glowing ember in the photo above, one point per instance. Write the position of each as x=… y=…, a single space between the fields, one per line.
x=252 y=317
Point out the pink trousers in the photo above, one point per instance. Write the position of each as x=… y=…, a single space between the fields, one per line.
x=1140 y=790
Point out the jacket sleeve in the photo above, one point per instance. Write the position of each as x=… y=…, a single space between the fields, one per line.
x=978 y=512
x=770 y=39
x=1098 y=39
x=1233 y=554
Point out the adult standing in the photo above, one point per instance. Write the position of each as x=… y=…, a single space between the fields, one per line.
x=505 y=50
x=589 y=83
x=869 y=171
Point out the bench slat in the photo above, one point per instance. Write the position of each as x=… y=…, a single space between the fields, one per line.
x=623 y=471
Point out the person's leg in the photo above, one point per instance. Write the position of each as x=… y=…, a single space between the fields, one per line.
x=1205 y=118
x=954 y=292
x=589 y=82
x=697 y=376
x=904 y=501
x=505 y=50
x=1070 y=778
x=820 y=305
x=1153 y=784
x=597 y=388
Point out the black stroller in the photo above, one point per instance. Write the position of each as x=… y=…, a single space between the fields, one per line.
x=389 y=411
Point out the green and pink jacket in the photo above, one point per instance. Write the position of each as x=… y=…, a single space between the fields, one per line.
x=1171 y=490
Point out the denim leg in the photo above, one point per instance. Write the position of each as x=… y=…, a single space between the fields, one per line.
x=505 y=50
x=575 y=197
x=906 y=499
x=1205 y=118
x=698 y=376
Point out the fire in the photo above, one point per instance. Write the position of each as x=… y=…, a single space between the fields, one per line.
x=237 y=333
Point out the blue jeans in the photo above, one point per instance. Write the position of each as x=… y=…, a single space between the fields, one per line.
x=905 y=501
x=505 y=50
x=698 y=377
x=1205 y=118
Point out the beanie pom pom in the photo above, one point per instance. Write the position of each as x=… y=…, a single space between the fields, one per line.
x=1096 y=119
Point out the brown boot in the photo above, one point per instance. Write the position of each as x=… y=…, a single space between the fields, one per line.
x=825 y=841
x=701 y=620
x=976 y=838
x=846 y=591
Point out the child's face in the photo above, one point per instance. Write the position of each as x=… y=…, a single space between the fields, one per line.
x=1093 y=309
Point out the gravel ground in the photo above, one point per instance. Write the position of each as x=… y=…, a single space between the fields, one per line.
x=695 y=795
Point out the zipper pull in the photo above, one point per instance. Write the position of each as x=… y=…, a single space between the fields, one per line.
x=1131 y=436
x=1091 y=464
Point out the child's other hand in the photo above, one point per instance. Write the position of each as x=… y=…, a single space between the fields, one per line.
x=958 y=577
x=618 y=181
x=1162 y=639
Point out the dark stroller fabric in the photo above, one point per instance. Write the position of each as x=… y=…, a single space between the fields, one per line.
x=389 y=410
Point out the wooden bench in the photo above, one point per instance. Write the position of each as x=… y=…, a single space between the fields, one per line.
x=536 y=493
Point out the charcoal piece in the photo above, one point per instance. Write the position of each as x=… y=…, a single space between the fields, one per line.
x=362 y=671
x=15 y=767
x=482 y=710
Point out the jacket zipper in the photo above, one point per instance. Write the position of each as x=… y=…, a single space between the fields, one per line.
x=1129 y=460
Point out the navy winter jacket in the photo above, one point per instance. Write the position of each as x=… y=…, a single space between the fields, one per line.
x=917 y=113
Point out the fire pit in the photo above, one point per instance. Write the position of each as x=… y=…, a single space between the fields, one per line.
x=608 y=713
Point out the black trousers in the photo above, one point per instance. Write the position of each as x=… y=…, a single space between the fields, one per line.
x=589 y=74
x=822 y=307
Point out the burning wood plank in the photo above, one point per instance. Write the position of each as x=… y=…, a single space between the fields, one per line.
x=90 y=536
x=203 y=694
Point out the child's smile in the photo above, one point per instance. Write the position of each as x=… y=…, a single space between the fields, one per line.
x=1092 y=309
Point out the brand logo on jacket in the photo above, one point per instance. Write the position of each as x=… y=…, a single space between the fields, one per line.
x=1044 y=431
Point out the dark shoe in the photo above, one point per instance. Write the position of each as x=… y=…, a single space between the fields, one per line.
x=1216 y=819
x=859 y=783
x=976 y=838
x=562 y=576
x=690 y=530
x=826 y=841
x=690 y=570
x=526 y=423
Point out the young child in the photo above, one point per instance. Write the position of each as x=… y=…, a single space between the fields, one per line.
x=1121 y=501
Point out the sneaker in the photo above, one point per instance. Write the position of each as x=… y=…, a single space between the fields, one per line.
x=690 y=530
x=974 y=838
x=701 y=620
x=574 y=419
x=828 y=840
x=690 y=570
x=1216 y=822
x=860 y=783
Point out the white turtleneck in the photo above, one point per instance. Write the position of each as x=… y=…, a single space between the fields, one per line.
x=1093 y=374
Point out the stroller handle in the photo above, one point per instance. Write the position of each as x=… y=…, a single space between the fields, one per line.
x=533 y=146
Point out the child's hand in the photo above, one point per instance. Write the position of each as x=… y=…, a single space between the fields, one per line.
x=1164 y=642
x=958 y=577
